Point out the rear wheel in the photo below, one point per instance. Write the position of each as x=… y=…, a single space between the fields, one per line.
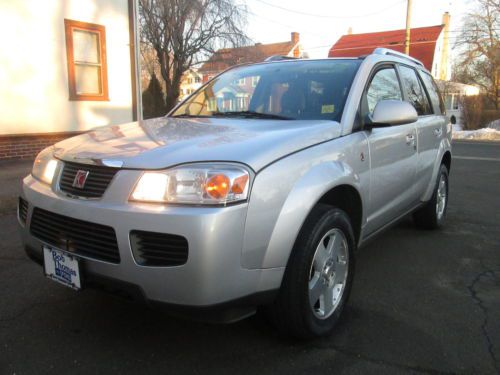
x=432 y=215
x=319 y=275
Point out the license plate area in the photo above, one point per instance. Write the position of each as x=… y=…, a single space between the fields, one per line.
x=62 y=267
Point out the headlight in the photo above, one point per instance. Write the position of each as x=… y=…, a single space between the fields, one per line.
x=44 y=166
x=194 y=184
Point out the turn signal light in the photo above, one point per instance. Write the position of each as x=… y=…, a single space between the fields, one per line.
x=217 y=186
x=239 y=184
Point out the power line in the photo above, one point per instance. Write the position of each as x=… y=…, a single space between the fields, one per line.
x=274 y=22
x=289 y=27
x=327 y=16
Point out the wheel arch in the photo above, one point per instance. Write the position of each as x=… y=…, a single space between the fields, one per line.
x=443 y=157
x=348 y=199
x=446 y=160
x=271 y=231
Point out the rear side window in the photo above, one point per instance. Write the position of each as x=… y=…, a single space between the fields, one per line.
x=433 y=91
x=414 y=91
x=383 y=86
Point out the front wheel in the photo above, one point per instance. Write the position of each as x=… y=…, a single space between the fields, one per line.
x=433 y=213
x=319 y=275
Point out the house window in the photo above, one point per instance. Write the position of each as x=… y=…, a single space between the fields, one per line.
x=86 y=54
x=197 y=79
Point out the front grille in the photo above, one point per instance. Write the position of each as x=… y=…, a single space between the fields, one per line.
x=158 y=249
x=23 y=210
x=96 y=184
x=75 y=236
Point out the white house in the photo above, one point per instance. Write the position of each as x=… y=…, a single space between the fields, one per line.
x=452 y=93
x=66 y=67
x=191 y=81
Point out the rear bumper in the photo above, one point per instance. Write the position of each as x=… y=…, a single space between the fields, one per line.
x=212 y=275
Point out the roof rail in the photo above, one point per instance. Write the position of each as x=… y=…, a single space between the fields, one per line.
x=391 y=52
x=280 y=58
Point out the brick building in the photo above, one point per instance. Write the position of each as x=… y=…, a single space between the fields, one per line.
x=227 y=57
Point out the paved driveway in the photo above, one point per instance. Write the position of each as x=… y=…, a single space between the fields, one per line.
x=421 y=302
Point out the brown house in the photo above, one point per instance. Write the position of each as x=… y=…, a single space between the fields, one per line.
x=227 y=57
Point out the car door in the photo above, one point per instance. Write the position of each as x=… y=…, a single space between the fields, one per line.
x=393 y=154
x=431 y=129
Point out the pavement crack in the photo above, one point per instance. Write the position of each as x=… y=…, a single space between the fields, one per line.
x=484 y=326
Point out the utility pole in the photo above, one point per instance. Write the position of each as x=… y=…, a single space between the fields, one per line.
x=408 y=22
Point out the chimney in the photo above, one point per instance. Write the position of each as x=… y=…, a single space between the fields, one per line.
x=446 y=20
x=443 y=71
x=349 y=31
x=295 y=40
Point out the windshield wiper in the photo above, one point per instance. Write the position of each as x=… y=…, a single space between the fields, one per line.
x=251 y=114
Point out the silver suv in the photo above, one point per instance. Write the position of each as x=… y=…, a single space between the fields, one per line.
x=255 y=191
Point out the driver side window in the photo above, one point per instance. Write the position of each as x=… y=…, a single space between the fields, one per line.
x=383 y=86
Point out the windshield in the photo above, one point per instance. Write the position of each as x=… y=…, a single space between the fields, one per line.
x=288 y=90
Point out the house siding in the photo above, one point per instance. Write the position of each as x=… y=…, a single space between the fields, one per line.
x=34 y=78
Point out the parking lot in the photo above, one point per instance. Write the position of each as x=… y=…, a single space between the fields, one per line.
x=422 y=302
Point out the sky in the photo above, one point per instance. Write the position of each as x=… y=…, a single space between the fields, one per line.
x=321 y=22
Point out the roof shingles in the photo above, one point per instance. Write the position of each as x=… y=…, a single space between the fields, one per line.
x=227 y=57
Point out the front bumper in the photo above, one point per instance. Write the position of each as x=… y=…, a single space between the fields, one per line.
x=212 y=275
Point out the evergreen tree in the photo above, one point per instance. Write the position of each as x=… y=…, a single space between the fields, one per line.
x=153 y=102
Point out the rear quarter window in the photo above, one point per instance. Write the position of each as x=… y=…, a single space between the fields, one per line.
x=414 y=91
x=433 y=91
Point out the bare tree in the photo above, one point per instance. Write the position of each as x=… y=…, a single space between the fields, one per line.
x=479 y=62
x=184 y=32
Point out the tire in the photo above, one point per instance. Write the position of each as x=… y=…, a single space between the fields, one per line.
x=292 y=312
x=433 y=214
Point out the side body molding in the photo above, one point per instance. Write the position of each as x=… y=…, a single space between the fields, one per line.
x=284 y=193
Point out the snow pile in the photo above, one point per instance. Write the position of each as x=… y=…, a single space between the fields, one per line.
x=494 y=124
x=490 y=133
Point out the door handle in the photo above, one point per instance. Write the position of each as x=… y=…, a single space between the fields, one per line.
x=410 y=138
x=438 y=132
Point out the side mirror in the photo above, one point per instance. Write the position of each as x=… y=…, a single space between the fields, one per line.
x=393 y=112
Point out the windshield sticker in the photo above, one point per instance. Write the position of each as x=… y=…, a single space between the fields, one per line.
x=328 y=108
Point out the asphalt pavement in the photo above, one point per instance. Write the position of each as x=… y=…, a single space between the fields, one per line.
x=422 y=302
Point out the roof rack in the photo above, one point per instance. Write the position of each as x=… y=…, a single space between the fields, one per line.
x=280 y=58
x=391 y=52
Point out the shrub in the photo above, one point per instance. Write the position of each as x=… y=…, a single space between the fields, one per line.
x=471 y=109
x=489 y=115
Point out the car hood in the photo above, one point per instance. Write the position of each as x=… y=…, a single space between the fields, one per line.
x=164 y=142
